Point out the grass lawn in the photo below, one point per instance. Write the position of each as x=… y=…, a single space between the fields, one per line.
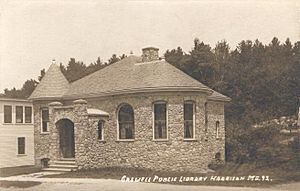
x=11 y=171
x=277 y=175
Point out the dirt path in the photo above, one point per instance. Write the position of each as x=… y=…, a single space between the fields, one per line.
x=89 y=184
x=115 y=185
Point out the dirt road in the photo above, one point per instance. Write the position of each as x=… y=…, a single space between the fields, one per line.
x=115 y=185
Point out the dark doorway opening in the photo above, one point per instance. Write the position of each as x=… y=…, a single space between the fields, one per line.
x=66 y=138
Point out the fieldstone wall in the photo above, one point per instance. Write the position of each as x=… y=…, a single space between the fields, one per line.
x=176 y=154
x=41 y=140
x=47 y=143
x=58 y=112
x=216 y=113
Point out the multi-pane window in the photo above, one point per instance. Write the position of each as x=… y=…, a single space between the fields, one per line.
x=28 y=114
x=21 y=145
x=160 y=120
x=126 y=122
x=188 y=120
x=45 y=119
x=100 y=129
x=19 y=114
x=7 y=114
x=217 y=129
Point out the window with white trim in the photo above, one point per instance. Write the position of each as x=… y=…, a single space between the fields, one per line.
x=21 y=145
x=19 y=114
x=189 y=119
x=45 y=119
x=217 y=129
x=7 y=114
x=126 y=122
x=160 y=120
x=28 y=114
x=100 y=130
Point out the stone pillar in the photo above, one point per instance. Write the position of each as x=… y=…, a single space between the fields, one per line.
x=54 y=137
x=80 y=126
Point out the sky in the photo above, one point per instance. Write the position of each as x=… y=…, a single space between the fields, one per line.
x=34 y=32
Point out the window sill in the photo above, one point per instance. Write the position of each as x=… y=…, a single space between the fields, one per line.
x=101 y=141
x=21 y=155
x=190 y=140
x=125 y=140
x=45 y=133
x=160 y=140
x=17 y=123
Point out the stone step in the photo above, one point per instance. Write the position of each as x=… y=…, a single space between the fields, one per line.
x=64 y=162
x=63 y=166
x=67 y=159
x=57 y=169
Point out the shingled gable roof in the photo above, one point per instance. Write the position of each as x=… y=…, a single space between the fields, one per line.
x=131 y=75
x=53 y=85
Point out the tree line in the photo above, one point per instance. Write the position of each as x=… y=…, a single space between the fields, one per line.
x=73 y=71
x=263 y=80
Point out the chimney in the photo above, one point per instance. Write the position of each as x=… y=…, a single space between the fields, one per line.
x=150 y=54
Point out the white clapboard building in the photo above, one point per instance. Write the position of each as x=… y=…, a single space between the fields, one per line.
x=16 y=137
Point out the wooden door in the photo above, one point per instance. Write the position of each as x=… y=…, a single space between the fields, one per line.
x=67 y=144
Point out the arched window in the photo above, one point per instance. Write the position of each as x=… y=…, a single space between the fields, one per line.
x=126 y=122
x=100 y=128
x=217 y=129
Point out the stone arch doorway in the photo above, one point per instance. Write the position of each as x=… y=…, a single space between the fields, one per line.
x=66 y=138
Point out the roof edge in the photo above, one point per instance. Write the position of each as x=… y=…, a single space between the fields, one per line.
x=45 y=98
x=223 y=99
x=145 y=90
x=15 y=99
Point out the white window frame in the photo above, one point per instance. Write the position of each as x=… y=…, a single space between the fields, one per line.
x=11 y=114
x=23 y=114
x=117 y=116
x=102 y=129
x=17 y=146
x=194 y=119
x=153 y=120
x=30 y=116
x=41 y=117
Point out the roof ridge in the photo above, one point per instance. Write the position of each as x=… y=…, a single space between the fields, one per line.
x=118 y=62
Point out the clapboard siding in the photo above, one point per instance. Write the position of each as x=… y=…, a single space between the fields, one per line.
x=9 y=137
